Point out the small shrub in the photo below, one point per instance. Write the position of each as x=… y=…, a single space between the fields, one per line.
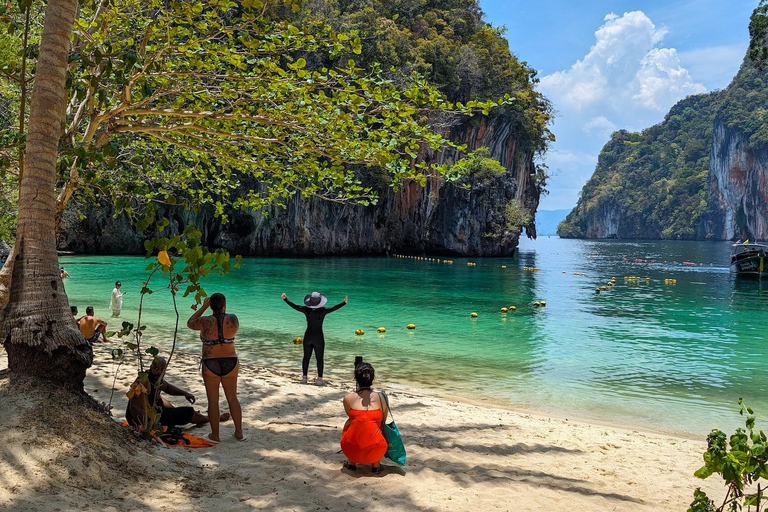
x=741 y=461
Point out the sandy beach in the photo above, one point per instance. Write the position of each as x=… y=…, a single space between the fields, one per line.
x=460 y=456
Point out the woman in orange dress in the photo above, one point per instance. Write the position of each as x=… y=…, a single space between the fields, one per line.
x=361 y=440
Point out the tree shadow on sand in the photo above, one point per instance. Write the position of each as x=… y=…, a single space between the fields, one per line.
x=292 y=461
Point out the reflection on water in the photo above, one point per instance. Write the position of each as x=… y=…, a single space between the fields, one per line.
x=644 y=352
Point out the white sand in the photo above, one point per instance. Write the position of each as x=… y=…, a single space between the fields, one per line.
x=460 y=457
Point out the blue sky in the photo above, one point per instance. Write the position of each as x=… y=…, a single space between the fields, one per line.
x=607 y=65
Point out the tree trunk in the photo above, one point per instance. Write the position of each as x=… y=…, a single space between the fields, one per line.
x=36 y=326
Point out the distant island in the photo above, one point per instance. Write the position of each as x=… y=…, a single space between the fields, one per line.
x=698 y=175
x=548 y=220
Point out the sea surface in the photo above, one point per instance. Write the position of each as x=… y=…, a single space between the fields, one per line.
x=650 y=353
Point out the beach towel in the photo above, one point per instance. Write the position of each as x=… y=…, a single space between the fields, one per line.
x=194 y=441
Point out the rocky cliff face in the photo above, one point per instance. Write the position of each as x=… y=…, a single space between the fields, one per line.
x=738 y=188
x=440 y=218
x=605 y=222
x=700 y=174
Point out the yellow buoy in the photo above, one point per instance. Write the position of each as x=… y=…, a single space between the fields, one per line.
x=297 y=340
x=512 y=308
x=503 y=266
x=473 y=315
x=359 y=332
x=381 y=329
x=543 y=303
x=536 y=304
x=410 y=326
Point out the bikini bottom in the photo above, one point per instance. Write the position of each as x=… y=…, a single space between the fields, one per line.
x=220 y=366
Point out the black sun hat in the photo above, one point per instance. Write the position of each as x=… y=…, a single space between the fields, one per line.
x=315 y=300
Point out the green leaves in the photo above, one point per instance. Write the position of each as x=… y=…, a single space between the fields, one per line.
x=740 y=460
x=701 y=503
x=198 y=261
x=758 y=30
x=203 y=105
x=194 y=99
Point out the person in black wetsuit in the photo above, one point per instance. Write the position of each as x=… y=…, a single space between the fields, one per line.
x=313 y=337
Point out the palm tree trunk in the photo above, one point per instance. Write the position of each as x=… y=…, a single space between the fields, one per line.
x=36 y=326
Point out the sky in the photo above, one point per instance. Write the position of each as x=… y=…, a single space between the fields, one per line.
x=609 y=65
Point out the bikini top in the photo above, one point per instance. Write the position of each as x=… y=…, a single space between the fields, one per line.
x=221 y=339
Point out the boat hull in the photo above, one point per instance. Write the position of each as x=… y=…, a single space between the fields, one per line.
x=749 y=260
x=749 y=268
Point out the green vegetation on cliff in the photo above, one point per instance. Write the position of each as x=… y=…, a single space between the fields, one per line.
x=653 y=184
x=289 y=95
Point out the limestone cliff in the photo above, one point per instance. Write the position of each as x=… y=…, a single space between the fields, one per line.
x=737 y=187
x=700 y=174
x=440 y=218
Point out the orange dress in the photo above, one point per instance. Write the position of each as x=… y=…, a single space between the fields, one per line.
x=361 y=440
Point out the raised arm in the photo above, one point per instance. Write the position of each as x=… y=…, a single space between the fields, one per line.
x=294 y=306
x=337 y=306
x=195 y=322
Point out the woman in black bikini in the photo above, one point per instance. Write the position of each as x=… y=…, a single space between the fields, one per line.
x=313 y=337
x=220 y=365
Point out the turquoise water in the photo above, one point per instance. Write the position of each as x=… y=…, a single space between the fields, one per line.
x=672 y=357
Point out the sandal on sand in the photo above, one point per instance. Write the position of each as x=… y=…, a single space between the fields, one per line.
x=241 y=439
x=207 y=437
x=303 y=380
x=351 y=467
x=319 y=382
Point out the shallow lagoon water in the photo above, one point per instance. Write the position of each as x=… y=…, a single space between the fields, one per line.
x=670 y=357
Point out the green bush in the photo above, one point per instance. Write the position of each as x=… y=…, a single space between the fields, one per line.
x=741 y=462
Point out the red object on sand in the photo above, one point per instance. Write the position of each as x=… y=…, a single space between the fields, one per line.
x=362 y=441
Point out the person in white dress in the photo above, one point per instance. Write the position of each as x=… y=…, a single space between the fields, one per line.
x=116 y=304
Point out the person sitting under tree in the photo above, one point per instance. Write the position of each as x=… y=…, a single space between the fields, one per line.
x=170 y=416
x=92 y=327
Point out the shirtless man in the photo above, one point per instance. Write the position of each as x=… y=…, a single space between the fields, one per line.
x=92 y=327
x=170 y=415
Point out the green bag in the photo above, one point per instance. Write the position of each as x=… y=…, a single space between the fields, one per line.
x=395 y=447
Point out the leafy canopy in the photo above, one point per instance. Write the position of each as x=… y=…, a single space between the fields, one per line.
x=177 y=101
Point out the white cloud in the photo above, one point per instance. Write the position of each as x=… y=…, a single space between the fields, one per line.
x=622 y=66
x=627 y=80
x=599 y=126
x=560 y=157
x=662 y=81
